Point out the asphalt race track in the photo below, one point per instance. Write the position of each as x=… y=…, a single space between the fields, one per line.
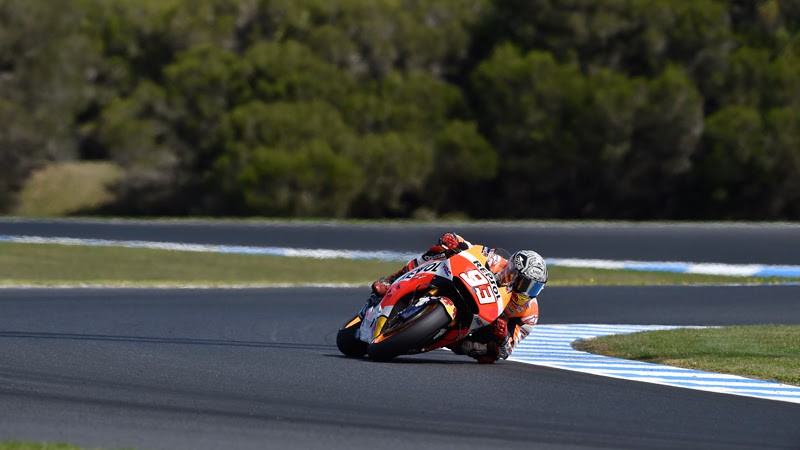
x=728 y=243
x=258 y=368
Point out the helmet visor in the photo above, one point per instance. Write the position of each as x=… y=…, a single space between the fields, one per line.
x=525 y=286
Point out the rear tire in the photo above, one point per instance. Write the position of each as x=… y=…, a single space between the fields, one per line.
x=412 y=335
x=347 y=341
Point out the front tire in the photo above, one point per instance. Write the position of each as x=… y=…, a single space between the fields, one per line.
x=413 y=334
x=347 y=341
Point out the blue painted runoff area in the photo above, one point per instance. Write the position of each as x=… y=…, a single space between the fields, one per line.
x=551 y=346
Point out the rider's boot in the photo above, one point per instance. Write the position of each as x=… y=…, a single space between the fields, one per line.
x=381 y=286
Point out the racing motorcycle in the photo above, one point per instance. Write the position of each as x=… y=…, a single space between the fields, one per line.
x=435 y=305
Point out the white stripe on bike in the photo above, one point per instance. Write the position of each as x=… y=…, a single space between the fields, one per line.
x=551 y=346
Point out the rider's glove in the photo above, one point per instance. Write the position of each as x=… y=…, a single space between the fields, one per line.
x=500 y=328
x=453 y=242
x=449 y=244
x=503 y=344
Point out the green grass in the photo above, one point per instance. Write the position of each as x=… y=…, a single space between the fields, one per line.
x=767 y=352
x=54 y=264
x=64 y=188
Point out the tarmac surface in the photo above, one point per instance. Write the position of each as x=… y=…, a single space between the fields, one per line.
x=259 y=368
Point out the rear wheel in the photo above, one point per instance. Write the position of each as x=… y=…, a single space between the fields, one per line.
x=347 y=341
x=415 y=333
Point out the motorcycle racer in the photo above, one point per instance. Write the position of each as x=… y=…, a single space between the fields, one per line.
x=524 y=274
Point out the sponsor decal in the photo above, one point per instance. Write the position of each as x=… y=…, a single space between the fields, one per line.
x=483 y=285
x=482 y=282
x=530 y=320
x=435 y=256
x=490 y=277
x=449 y=306
x=367 y=327
x=477 y=322
x=423 y=300
x=516 y=308
x=427 y=268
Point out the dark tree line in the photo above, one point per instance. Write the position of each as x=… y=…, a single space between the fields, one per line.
x=633 y=109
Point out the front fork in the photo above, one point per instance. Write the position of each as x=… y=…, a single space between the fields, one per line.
x=372 y=301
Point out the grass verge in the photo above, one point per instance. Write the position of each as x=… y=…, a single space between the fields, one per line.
x=52 y=264
x=63 y=188
x=767 y=352
x=55 y=264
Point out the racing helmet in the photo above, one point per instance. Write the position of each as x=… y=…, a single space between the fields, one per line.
x=525 y=273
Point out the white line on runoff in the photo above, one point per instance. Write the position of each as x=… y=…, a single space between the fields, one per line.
x=551 y=346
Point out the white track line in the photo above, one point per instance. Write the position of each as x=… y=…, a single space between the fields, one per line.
x=741 y=270
x=551 y=346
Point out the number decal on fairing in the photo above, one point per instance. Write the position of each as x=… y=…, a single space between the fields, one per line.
x=474 y=278
x=480 y=285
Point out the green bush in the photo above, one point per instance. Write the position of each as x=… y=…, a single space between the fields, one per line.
x=387 y=108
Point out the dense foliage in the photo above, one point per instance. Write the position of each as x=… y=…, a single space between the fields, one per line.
x=636 y=109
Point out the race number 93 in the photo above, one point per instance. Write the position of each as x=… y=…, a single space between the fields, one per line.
x=480 y=285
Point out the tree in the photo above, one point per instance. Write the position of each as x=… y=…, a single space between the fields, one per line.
x=136 y=136
x=45 y=73
x=583 y=145
x=416 y=101
x=287 y=159
x=396 y=166
x=20 y=150
x=782 y=126
x=734 y=154
x=289 y=71
x=668 y=128
x=463 y=165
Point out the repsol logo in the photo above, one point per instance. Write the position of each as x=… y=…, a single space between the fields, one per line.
x=433 y=267
x=490 y=276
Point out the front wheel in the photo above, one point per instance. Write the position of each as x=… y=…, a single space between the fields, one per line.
x=347 y=341
x=415 y=333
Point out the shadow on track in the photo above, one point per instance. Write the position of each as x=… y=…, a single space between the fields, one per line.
x=158 y=340
x=410 y=359
x=422 y=358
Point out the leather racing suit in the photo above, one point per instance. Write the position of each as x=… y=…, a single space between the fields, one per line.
x=490 y=343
